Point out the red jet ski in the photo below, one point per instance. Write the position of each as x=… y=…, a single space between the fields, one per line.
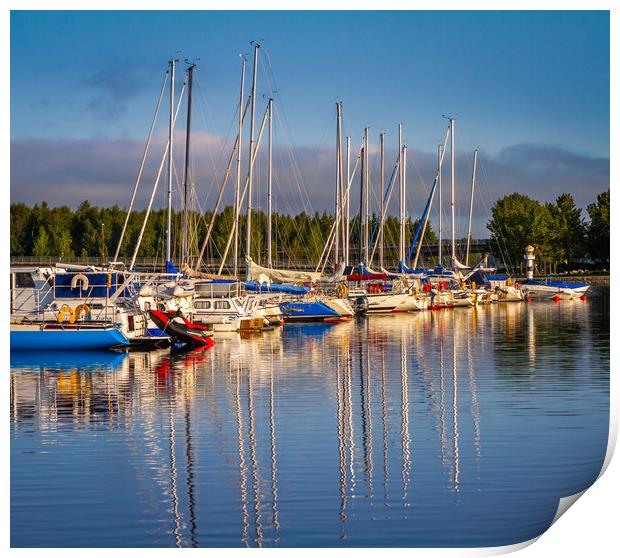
x=174 y=324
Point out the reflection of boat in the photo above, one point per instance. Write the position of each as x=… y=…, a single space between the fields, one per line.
x=54 y=336
x=308 y=329
x=82 y=360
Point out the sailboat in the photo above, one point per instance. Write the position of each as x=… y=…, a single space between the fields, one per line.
x=282 y=285
x=382 y=292
x=61 y=309
x=216 y=301
x=550 y=289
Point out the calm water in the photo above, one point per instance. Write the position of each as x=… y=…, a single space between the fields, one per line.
x=451 y=428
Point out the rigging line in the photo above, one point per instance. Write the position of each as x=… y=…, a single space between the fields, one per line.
x=221 y=193
x=202 y=217
x=139 y=176
x=179 y=197
x=299 y=180
x=224 y=146
x=503 y=254
x=245 y=189
x=332 y=235
x=427 y=209
x=161 y=166
x=294 y=164
x=301 y=237
x=386 y=201
x=296 y=169
x=459 y=205
x=209 y=124
x=294 y=157
x=422 y=182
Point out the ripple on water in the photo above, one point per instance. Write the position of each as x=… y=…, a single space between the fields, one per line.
x=459 y=428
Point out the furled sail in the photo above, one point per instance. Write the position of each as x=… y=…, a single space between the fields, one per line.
x=189 y=272
x=280 y=275
x=335 y=277
x=458 y=265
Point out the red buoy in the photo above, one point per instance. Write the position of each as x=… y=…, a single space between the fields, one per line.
x=556 y=298
x=584 y=297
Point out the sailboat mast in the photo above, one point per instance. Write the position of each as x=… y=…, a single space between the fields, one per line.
x=452 y=181
x=269 y=178
x=366 y=197
x=347 y=201
x=338 y=197
x=172 y=63
x=238 y=185
x=471 y=205
x=248 y=236
x=439 y=163
x=185 y=246
x=403 y=218
x=361 y=227
x=341 y=187
x=401 y=187
x=382 y=216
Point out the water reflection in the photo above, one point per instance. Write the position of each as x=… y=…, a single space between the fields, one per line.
x=304 y=436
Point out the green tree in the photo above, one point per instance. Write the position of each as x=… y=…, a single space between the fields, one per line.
x=62 y=245
x=20 y=217
x=41 y=244
x=568 y=239
x=515 y=222
x=598 y=228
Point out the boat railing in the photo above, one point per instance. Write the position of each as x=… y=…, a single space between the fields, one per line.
x=217 y=290
x=28 y=299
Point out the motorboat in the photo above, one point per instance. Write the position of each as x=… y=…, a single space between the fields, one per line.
x=186 y=333
x=549 y=289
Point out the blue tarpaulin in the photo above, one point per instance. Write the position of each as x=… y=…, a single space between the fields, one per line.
x=253 y=286
x=171 y=269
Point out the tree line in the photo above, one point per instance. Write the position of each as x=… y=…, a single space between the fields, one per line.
x=559 y=231
x=91 y=231
x=562 y=235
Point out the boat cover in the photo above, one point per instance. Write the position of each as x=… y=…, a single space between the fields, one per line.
x=280 y=275
x=255 y=287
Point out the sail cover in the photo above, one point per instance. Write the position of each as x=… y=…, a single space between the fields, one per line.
x=458 y=265
x=280 y=275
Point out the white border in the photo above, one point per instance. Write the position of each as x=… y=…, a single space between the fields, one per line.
x=588 y=528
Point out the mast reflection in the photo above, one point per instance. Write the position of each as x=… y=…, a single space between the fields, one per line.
x=404 y=378
x=397 y=384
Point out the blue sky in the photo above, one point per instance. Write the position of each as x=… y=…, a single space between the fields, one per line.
x=513 y=79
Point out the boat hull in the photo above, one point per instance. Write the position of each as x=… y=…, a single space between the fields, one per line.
x=388 y=303
x=548 y=291
x=39 y=339
x=342 y=306
x=308 y=312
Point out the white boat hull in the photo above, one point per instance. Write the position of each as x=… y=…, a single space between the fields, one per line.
x=549 y=292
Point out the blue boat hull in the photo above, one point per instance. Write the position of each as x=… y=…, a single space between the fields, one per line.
x=67 y=340
x=308 y=312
